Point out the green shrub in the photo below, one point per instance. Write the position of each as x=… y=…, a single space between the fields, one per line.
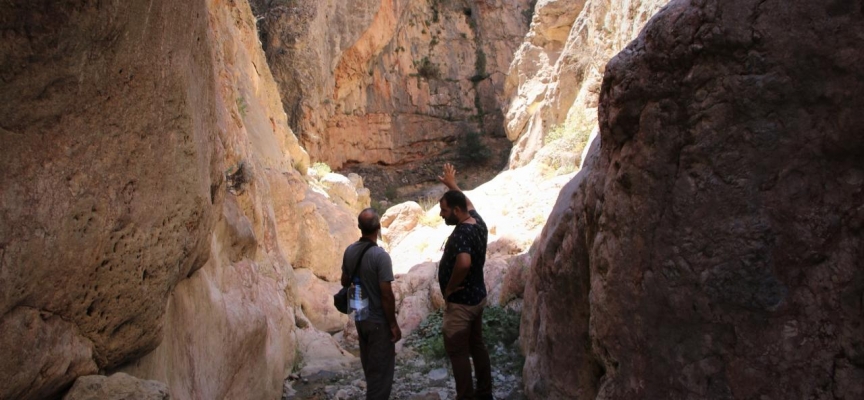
x=573 y=133
x=321 y=169
x=500 y=326
x=379 y=207
x=241 y=106
x=500 y=332
x=299 y=361
x=391 y=193
x=427 y=203
x=427 y=338
x=427 y=69
x=472 y=150
x=563 y=143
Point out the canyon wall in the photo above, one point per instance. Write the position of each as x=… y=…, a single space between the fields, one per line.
x=154 y=203
x=393 y=82
x=554 y=80
x=711 y=246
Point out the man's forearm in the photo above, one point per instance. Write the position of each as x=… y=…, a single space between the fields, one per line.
x=459 y=274
x=454 y=186
x=388 y=303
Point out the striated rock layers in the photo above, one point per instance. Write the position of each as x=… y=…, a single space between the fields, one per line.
x=151 y=210
x=555 y=77
x=712 y=246
x=391 y=82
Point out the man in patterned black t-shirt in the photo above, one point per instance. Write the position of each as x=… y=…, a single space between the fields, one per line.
x=460 y=276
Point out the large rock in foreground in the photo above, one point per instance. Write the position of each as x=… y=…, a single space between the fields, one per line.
x=712 y=248
x=152 y=203
x=110 y=165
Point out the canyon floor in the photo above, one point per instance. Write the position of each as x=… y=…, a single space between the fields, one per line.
x=417 y=378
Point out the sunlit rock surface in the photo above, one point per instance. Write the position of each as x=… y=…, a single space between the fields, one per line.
x=153 y=204
x=392 y=81
x=554 y=80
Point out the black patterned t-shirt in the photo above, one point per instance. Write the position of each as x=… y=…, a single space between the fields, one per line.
x=471 y=239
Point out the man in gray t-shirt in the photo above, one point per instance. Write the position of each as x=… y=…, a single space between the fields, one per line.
x=379 y=332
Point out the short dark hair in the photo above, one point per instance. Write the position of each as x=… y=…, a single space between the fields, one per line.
x=368 y=221
x=455 y=198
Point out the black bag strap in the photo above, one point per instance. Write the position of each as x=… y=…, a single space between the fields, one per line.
x=356 y=267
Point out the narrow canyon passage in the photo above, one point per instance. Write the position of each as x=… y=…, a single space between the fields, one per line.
x=674 y=194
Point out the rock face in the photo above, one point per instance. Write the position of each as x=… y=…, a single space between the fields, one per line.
x=711 y=248
x=110 y=168
x=554 y=80
x=391 y=82
x=153 y=204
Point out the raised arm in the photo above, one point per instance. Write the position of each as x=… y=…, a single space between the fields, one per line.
x=449 y=180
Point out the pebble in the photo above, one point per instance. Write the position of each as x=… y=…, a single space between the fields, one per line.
x=438 y=374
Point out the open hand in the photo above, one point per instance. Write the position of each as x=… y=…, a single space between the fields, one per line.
x=449 y=177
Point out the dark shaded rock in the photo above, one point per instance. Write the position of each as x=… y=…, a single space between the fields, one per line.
x=712 y=247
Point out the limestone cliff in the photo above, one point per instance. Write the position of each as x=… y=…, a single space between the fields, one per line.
x=393 y=82
x=555 y=77
x=153 y=204
x=711 y=247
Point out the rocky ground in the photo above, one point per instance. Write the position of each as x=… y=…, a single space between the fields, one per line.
x=417 y=378
x=422 y=369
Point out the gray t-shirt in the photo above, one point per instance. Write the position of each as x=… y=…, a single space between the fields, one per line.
x=376 y=267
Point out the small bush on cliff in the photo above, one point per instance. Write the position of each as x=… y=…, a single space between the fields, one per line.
x=563 y=143
x=572 y=135
x=391 y=192
x=238 y=177
x=427 y=69
x=321 y=169
x=472 y=150
x=427 y=203
x=242 y=106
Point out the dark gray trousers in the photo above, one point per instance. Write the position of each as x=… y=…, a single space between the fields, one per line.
x=378 y=356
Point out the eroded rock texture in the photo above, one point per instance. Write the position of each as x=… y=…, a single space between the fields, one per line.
x=391 y=81
x=153 y=205
x=107 y=163
x=712 y=246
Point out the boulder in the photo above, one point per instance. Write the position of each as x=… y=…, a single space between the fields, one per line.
x=399 y=220
x=56 y=354
x=711 y=246
x=494 y=272
x=118 y=386
x=506 y=245
x=112 y=180
x=342 y=191
x=321 y=352
x=316 y=299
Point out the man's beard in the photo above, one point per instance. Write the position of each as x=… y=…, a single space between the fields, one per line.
x=451 y=220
